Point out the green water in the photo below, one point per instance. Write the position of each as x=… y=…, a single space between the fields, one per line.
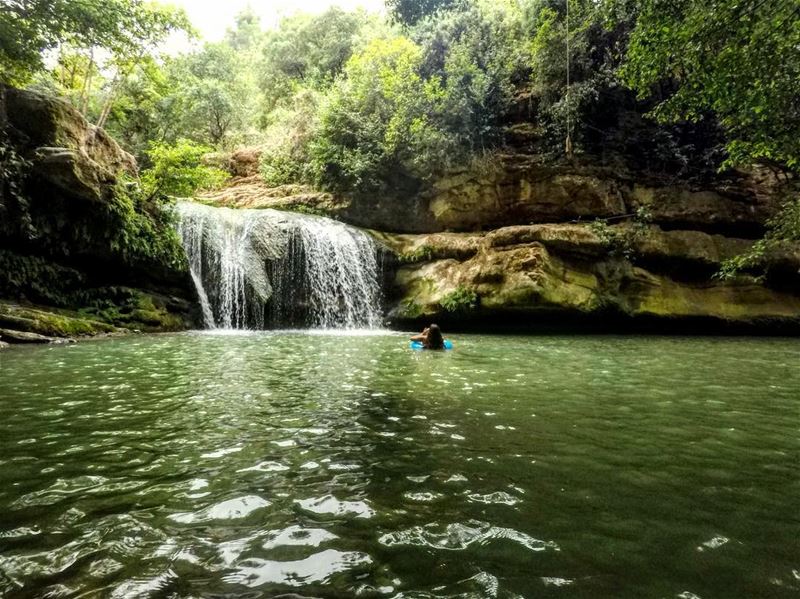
x=200 y=465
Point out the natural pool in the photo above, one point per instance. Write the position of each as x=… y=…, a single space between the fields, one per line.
x=202 y=465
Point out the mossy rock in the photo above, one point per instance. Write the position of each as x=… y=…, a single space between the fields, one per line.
x=60 y=323
x=134 y=309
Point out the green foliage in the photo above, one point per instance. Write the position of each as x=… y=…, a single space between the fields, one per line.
x=783 y=233
x=285 y=157
x=14 y=203
x=141 y=229
x=623 y=240
x=37 y=279
x=376 y=121
x=411 y=309
x=146 y=110
x=307 y=52
x=463 y=299
x=739 y=59
x=28 y=28
x=121 y=32
x=423 y=253
x=213 y=91
x=412 y=11
x=405 y=110
x=177 y=170
x=479 y=54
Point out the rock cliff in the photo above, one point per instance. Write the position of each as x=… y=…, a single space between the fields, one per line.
x=527 y=243
x=517 y=240
x=77 y=250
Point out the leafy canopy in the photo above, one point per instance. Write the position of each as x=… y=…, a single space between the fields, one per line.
x=126 y=29
x=411 y=12
x=739 y=59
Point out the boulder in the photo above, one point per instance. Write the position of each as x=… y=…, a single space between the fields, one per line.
x=12 y=336
x=39 y=121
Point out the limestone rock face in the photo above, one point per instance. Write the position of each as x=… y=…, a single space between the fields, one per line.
x=72 y=163
x=521 y=192
x=736 y=211
x=517 y=189
x=536 y=271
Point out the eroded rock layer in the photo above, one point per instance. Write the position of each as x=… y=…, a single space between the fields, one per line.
x=619 y=278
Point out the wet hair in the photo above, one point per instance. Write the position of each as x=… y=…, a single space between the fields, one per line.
x=434 y=339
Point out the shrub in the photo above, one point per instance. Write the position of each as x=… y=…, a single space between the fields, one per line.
x=177 y=170
x=461 y=300
x=422 y=254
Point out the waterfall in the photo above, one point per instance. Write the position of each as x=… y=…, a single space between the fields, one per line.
x=265 y=268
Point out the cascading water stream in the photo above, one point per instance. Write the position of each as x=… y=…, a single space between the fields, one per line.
x=259 y=268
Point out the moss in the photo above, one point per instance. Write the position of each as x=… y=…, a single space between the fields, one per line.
x=51 y=323
x=37 y=279
x=135 y=309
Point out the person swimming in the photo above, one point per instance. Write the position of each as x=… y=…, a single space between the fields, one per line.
x=431 y=337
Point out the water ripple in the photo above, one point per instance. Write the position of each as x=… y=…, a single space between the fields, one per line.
x=458 y=536
x=261 y=464
x=317 y=568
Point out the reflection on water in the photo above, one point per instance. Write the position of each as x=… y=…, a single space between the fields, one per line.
x=335 y=465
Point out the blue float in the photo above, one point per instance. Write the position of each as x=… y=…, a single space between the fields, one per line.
x=418 y=344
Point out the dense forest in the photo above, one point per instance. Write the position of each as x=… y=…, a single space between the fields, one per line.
x=360 y=103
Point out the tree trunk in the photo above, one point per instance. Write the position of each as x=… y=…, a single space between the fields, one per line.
x=87 y=84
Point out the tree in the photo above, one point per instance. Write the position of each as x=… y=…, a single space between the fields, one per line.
x=376 y=124
x=247 y=34
x=177 y=170
x=216 y=99
x=124 y=31
x=478 y=52
x=410 y=12
x=145 y=26
x=739 y=59
x=148 y=108
x=307 y=51
x=28 y=28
